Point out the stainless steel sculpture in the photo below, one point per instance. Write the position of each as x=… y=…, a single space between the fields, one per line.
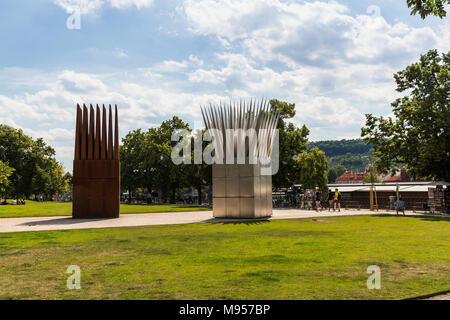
x=240 y=190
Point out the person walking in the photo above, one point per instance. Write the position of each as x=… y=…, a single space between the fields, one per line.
x=337 y=199
x=400 y=205
x=318 y=198
x=309 y=198
x=330 y=200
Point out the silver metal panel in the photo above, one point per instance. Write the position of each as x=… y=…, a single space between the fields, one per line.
x=246 y=170
x=218 y=171
x=219 y=208
x=232 y=187
x=232 y=171
x=219 y=187
x=256 y=170
x=246 y=187
x=247 y=207
x=232 y=208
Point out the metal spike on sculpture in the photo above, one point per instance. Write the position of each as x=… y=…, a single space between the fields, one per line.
x=96 y=165
x=240 y=190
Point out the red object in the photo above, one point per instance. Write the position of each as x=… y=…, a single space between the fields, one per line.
x=96 y=167
x=351 y=177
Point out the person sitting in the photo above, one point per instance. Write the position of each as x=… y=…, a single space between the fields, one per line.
x=399 y=205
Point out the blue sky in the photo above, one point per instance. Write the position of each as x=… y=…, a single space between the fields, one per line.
x=156 y=58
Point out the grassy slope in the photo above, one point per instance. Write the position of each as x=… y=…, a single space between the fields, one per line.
x=38 y=209
x=280 y=259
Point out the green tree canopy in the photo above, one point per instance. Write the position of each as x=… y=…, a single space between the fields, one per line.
x=311 y=169
x=5 y=172
x=428 y=7
x=36 y=170
x=146 y=159
x=419 y=134
x=334 y=172
x=292 y=141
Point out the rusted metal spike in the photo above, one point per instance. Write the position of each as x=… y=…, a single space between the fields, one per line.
x=98 y=140
x=91 y=134
x=78 y=134
x=116 y=135
x=104 y=148
x=110 y=136
x=84 y=129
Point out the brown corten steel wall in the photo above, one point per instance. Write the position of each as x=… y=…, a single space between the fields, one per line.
x=96 y=167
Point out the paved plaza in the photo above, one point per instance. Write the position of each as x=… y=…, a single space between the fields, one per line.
x=166 y=218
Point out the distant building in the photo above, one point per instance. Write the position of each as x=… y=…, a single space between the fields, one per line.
x=349 y=177
x=401 y=176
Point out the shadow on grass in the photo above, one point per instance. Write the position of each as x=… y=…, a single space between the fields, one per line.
x=424 y=218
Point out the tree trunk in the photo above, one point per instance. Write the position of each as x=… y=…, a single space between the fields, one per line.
x=149 y=188
x=447 y=173
x=172 y=200
x=199 y=190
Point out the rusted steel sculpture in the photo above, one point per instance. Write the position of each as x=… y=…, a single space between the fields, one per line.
x=96 y=167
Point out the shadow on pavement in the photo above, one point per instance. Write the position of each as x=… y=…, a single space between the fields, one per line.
x=60 y=221
x=238 y=221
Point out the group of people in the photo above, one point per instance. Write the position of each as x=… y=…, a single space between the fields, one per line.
x=314 y=200
x=19 y=202
x=334 y=200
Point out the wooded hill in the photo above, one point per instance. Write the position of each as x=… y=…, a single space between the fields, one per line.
x=353 y=154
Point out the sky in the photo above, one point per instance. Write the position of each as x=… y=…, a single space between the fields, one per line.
x=158 y=58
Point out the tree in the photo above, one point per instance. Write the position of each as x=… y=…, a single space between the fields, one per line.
x=5 y=172
x=198 y=175
x=372 y=177
x=292 y=141
x=311 y=169
x=132 y=154
x=168 y=176
x=419 y=134
x=334 y=172
x=428 y=7
x=32 y=160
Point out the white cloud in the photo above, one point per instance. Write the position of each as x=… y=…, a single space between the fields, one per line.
x=170 y=66
x=177 y=66
x=143 y=102
x=92 y=6
x=308 y=33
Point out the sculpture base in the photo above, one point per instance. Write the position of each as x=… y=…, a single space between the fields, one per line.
x=240 y=191
x=96 y=191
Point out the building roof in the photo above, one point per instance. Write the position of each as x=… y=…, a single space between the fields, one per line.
x=351 y=177
x=393 y=179
x=416 y=186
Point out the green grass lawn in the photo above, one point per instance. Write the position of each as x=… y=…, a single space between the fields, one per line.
x=41 y=209
x=277 y=259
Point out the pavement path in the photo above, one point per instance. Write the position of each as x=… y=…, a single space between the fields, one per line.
x=146 y=219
